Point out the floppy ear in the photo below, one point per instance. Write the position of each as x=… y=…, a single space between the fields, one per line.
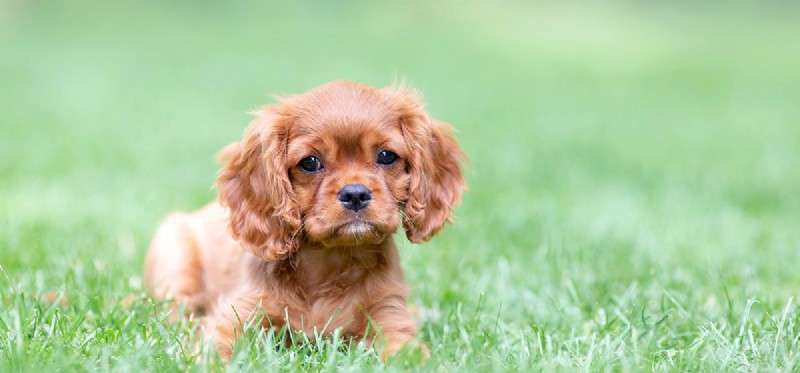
x=433 y=164
x=254 y=185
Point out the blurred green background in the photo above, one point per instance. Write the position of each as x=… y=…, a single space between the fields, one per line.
x=630 y=162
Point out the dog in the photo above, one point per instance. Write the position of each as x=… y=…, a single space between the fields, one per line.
x=300 y=235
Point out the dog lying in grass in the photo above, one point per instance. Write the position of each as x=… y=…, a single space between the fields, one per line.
x=301 y=233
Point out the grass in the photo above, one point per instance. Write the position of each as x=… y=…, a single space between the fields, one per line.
x=634 y=203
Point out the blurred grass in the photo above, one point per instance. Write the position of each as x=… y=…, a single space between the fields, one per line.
x=635 y=194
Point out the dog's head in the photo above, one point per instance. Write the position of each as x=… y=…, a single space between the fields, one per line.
x=335 y=166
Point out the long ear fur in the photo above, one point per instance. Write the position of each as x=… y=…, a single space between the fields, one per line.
x=434 y=166
x=254 y=185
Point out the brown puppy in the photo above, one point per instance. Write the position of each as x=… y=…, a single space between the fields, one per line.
x=308 y=202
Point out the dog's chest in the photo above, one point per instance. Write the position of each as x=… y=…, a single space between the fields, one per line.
x=321 y=313
x=331 y=314
x=328 y=292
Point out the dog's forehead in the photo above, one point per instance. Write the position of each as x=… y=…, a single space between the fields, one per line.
x=345 y=114
x=348 y=136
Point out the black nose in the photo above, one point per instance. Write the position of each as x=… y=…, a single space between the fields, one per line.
x=354 y=196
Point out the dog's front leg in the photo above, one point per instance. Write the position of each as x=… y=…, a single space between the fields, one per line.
x=227 y=320
x=394 y=324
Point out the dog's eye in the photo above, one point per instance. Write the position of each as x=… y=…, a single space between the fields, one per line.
x=386 y=157
x=310 y=164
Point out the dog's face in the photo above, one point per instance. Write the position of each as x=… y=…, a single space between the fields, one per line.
x=336 y=166
x=347 y=169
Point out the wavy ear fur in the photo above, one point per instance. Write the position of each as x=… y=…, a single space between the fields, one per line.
x=254 y=185
x=434 y=166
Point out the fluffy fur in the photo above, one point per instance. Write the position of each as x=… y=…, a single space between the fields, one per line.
x=278 y=240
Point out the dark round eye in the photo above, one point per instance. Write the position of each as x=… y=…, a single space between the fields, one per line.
x=310 y=164
x=386 y=157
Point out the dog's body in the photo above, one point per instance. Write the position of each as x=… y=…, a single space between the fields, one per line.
x=308 y=201
x=195 y=260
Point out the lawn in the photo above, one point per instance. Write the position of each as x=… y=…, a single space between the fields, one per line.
x=634 y=175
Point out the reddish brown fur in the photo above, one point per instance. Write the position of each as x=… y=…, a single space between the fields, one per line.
x=278 y=238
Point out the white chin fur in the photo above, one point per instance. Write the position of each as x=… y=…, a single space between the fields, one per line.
x=357 y=228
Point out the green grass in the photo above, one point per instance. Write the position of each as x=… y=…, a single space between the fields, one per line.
x=634 y=175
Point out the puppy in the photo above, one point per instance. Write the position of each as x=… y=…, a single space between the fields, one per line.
x=301 y=234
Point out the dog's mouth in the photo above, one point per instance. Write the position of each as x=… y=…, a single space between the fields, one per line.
x=349 y=231
x=355 y=232
x=356 y=228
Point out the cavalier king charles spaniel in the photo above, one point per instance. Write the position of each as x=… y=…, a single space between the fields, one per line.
x=301 y=234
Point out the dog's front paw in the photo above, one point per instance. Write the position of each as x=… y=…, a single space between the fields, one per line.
x=410 y=348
